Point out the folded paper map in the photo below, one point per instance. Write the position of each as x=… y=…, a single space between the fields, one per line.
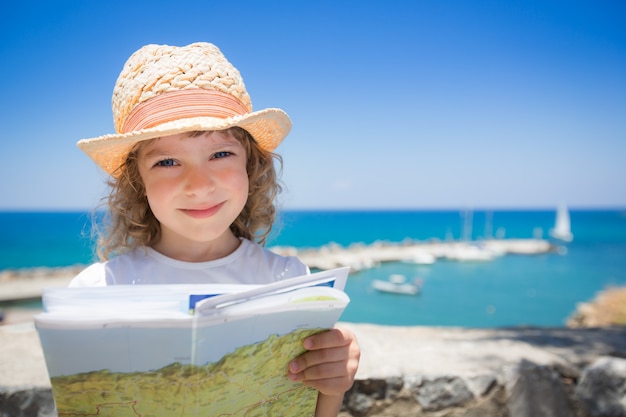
x=185 y=350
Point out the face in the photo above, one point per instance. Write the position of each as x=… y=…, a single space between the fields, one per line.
x=196 y=188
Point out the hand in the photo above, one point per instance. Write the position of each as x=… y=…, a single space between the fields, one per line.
x=330 y=363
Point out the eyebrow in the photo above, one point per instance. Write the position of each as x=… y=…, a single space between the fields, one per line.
x=154 y=150
x=153 y=153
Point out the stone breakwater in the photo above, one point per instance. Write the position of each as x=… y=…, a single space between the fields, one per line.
x=361 y=256
x=420 y=371
x=19 y=284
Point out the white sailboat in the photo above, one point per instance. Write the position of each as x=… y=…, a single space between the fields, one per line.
x=562 y=227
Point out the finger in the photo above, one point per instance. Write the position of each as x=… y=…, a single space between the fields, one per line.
x=316 y=357
x=329 y=339
x=330 y=379
x=331 y=386
x=346 y=366
x=321 y=371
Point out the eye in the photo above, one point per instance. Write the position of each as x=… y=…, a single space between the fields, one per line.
x=165 y=163
x=221 y=154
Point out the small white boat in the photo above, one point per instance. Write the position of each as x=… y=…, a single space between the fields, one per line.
x=397 y=285
x=562 y=227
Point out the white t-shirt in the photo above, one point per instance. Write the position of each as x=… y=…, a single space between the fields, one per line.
x=250 y=263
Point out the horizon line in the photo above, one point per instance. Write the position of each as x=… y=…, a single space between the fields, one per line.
x=585 y=207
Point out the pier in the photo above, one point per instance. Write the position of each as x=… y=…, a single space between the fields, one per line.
x=361 y=256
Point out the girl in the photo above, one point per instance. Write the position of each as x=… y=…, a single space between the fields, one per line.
x=192 y=188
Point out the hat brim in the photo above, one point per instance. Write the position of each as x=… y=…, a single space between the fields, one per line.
x=268 y=127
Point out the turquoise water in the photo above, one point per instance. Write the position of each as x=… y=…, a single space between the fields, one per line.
x=42 y=239
x=512 y=290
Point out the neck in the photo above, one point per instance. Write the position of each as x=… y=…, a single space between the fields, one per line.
x=190 y=251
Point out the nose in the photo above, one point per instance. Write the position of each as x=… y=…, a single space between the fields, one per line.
x=198 y=181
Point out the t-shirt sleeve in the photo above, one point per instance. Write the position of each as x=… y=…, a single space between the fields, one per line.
x=294 y=268
x=92 y=276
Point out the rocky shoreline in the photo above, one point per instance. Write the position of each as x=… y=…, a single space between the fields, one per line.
x=420 y=371
x=514 y=372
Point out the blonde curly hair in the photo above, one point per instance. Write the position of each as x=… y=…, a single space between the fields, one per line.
x=130 y=223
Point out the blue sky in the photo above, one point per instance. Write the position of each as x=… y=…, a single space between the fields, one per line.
x=395 y=104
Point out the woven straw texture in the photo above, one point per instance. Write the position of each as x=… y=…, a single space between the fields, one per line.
x=159 y=72
x=155 y=69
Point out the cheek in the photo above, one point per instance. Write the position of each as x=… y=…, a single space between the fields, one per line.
x=143 y=180
x=237 y=179
x=157 y=192
x=241 y=183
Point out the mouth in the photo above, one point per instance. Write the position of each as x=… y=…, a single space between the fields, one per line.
x=202 y=212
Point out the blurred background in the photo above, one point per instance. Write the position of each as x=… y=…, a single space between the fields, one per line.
x=448 y=121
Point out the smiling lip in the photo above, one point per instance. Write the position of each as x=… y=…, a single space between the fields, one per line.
x=203 y=212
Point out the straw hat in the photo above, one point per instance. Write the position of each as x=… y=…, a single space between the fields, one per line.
x=164 y=90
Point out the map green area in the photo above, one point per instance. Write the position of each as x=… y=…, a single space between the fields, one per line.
x=251 y=381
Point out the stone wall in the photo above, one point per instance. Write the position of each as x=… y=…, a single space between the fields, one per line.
x=527 y=390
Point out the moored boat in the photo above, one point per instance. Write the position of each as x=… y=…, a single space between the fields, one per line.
x=397 y=285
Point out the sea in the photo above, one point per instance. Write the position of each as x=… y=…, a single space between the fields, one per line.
x=512 y=290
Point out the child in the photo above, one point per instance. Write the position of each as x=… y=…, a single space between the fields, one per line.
x=193 y=185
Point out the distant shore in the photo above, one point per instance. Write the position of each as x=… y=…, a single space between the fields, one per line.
x=19 y=286
x=27 y=283
x=360 y=256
